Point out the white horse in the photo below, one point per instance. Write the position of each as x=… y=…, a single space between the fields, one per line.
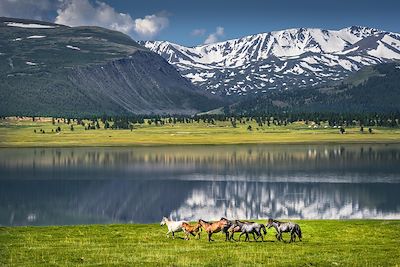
x=173 y=226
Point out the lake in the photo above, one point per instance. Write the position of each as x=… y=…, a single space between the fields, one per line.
x=59 y=186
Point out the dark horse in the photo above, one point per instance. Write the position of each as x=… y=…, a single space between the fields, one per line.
x=226 y=228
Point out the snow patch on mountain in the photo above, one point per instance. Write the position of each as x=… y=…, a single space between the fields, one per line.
x=73 y=47
x=29 y=25
x=289 y=58
x=35 y=37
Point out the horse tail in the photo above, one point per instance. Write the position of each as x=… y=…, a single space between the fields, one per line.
x=298 y=231
x=264 y=229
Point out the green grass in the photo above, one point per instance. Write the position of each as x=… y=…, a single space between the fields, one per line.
x=325 y=243
x=20 y=133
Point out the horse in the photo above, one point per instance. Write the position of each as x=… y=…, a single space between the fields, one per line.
x=214 y=227
x=285 y=227
x=235 y=228
x=226 y=228
x=173 y=226
x=251 y=228
x=193 y=230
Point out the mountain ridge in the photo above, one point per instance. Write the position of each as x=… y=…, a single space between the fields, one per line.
x=55 y=70
x=286 y=59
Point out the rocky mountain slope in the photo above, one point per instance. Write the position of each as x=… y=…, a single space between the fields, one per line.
x=52 y=70
x=373 y=89
x=287 y=59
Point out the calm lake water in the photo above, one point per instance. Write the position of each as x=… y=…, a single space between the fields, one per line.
x=57 y=186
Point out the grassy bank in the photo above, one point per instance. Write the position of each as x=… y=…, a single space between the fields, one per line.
x=325 y=242
x=21 y=133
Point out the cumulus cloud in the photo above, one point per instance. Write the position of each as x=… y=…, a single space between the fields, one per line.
x=82 y=12
x=85 y=13
x=214 y=37
x=150 y=25
x=28 y=9
x=198 y=32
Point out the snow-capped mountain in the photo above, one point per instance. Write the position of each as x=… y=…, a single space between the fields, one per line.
x=284 y=59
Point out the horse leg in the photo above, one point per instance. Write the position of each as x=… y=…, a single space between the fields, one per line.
x=279 y=236
x=167 y=234
x=294 y=236
x=241 y=235
x=209 y=237
x=254 y=237
x=259 y=235
x=232 y=238
x=226 y=236
x=173 y=235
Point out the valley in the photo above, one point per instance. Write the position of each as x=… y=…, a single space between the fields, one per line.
x=21 y=133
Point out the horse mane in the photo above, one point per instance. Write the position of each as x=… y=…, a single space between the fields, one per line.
x=244 y=221
x=204 y=221
x=275 y=221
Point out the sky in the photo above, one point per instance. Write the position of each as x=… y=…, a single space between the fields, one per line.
x=190 y=23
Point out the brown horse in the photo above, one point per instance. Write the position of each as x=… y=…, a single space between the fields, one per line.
x=214 y=227
x=193 y=230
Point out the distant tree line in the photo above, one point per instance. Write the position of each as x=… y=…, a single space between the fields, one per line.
x=261 y=119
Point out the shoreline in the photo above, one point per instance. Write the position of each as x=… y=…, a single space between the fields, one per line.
x=277 y=143
x=122 y=224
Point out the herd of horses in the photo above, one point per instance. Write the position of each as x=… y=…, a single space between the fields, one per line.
x=230 y=227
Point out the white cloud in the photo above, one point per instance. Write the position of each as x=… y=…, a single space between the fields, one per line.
x=150 y=25
x=198 y=32
x=214 y=37
x=85 y=13
x=82 y=12
x=28 y=9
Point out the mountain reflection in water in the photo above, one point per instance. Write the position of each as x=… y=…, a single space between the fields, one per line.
x=102 y=185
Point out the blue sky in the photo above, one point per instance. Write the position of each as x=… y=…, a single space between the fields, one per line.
x=240 y=18
x=192 y=22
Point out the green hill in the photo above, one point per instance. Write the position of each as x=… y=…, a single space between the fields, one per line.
x=54 y=70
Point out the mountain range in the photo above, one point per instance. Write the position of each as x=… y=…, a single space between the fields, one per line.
x=54 y=70
x=49 y=69
x=287 y=59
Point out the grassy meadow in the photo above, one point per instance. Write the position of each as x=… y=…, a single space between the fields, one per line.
x=325 y=243
x=20 y=133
